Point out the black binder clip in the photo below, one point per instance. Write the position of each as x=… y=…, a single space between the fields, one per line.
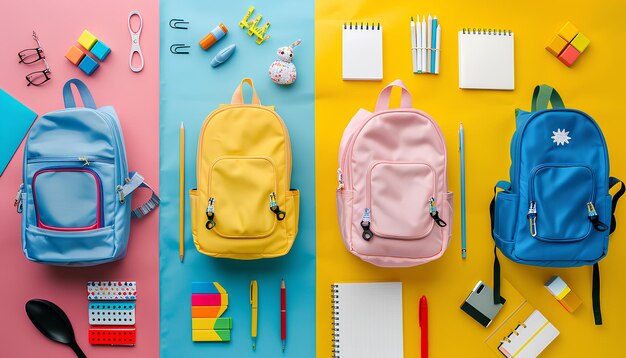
x=179 y=49
x=178 y=24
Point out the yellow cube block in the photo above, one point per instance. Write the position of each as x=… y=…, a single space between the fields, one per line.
x=87 y=40
x=556 y=45
x=568 y=32
x=580 y=42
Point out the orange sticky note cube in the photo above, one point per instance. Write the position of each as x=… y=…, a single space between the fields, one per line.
x=75 y=55
x=580 y=42
x=569 y=55
x=207 y=311
x=87 y=40
x=568 y=32
x=556 y=45
x=559 y=289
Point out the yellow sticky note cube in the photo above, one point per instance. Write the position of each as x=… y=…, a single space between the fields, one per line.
x=87 y=40
x=568 y=32
x=210 y=335
x=580 y=42
x=556 y=45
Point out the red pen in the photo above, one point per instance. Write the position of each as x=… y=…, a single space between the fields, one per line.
x=283 y=313
x=423 y=312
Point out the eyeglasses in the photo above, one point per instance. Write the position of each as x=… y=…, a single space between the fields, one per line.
x=32 y=55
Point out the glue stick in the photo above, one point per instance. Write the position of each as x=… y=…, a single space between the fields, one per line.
x=213 y=36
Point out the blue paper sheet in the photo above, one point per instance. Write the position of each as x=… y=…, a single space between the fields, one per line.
x=15 y=121
x=190 y=90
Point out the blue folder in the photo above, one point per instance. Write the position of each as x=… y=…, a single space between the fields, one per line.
x=15 y=120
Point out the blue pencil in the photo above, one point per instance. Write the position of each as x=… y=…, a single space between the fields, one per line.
x=433 y=44
x=463 y=216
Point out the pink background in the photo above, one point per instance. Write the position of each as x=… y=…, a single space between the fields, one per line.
x=136 y=99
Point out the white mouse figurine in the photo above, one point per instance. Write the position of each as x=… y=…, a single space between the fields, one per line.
x=282 y=71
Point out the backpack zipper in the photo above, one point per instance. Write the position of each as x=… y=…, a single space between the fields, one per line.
x=432 y=209
x=280 y=215
x=210 y=214
x=18 y=199
x=365 y=224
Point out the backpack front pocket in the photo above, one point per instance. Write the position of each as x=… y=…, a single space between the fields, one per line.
x=399 y=196
x=67 y=199
x=561 y=201
x=242 y=197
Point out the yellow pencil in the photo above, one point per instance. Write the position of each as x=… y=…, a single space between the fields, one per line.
x=182 y=192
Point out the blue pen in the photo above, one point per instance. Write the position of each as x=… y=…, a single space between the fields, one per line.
x=433 y=44
x=463 y=216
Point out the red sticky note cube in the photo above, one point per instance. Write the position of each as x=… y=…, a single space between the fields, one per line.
x=569 y=55
x=75 y=55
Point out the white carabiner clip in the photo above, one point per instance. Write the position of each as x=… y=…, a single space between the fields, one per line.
x=134 y=39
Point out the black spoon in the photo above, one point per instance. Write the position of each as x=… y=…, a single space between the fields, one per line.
x=53 y=323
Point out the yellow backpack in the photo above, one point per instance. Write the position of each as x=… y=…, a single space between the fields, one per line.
x=243 y=207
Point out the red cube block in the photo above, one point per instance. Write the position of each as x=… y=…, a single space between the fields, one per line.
x=569 y=55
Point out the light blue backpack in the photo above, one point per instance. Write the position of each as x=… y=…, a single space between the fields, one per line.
x=557 y=210
x=75 y=198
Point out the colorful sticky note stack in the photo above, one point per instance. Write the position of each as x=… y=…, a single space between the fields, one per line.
x=568 y=44
x=559 y=289
x=112 y=312
x=92 y=44
x=209 y=301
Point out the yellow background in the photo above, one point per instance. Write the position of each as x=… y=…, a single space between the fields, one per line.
x=596 y=84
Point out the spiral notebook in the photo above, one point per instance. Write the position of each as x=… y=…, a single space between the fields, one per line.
x=367 y=320
x=486 y=59
x=524 y=334
x=362 y=51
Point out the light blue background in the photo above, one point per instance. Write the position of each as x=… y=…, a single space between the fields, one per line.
x=190 y=90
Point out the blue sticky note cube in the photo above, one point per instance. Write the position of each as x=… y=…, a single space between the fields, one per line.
x=88 y=65
x=203 y=287
x=100 y=50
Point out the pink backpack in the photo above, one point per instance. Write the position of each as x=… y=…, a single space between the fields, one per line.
x=393 y=202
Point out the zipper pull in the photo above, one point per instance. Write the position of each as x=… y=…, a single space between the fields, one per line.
x=280 y=215
x=532 y=218
x=432 y=209
x=365 y=224
x=85 y=160
x=340 y=179
x=18 y=199
x=592 y=214
x=210 y=214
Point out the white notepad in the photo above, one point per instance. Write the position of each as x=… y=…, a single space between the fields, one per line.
x=368 y=320
x=486 y=59
x=362 y=51
x=530 y=338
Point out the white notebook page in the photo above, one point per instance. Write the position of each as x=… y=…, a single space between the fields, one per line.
x=486 y=61
x=369 y=320
x=362 y=52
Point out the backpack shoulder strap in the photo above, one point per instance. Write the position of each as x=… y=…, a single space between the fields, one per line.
x=612 y=182
x=135 y=181
x=504 y=185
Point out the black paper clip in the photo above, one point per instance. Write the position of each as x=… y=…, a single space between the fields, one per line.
x=179 y=49
x=177 y=24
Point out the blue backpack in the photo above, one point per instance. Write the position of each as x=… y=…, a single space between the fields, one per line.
x=557 y=210
x=76 y=193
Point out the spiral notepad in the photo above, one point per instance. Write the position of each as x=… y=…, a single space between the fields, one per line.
x=367 y=320
x=362 y=51
x=486 y=59
x=525 y=333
